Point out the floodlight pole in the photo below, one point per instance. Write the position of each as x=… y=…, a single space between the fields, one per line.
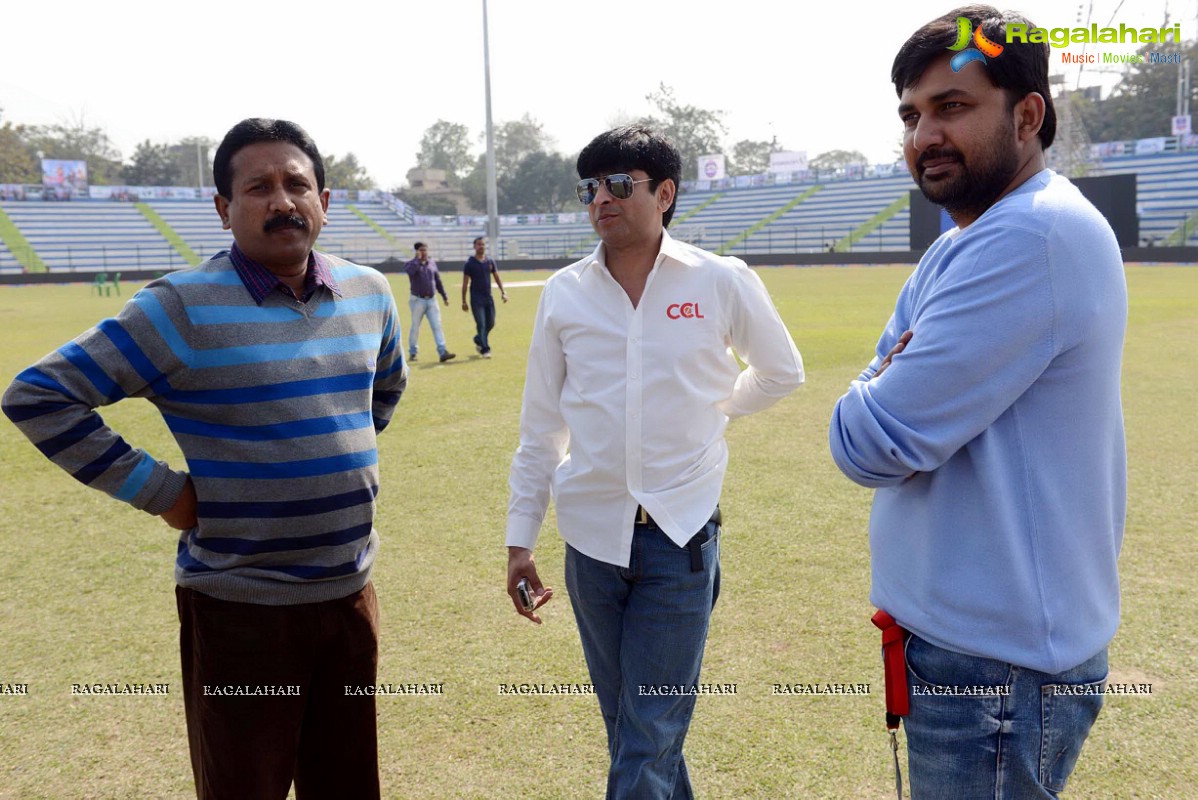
x=492 y=191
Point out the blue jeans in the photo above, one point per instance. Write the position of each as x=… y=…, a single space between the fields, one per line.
x=484 y=319
x=1021 y=744
x=420 y=308
x=643 y=628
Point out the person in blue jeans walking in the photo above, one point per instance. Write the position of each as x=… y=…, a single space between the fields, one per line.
x=990 y=424
x=426 y=284
x=476 y=284
x=631 y=382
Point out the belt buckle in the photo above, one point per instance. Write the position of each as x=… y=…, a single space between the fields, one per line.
x=642 y=516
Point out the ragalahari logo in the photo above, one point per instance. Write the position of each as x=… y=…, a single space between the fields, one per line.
x=982 y=46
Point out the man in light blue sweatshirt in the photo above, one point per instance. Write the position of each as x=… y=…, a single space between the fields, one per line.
x=990 y=424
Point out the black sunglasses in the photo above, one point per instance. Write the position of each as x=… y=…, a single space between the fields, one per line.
x=619 y=185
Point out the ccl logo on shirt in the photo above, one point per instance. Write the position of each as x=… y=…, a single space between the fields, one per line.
x=684 y=311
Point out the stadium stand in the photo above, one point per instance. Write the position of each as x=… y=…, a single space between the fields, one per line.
x=92 y=236
x=195 y=222
x=8 y=262
x=859 y=215
x=1166 y=195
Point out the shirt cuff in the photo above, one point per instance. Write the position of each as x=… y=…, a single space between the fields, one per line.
x=164 y=499
x=522 y=532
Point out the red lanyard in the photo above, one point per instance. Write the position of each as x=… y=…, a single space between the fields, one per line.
x=898 y=704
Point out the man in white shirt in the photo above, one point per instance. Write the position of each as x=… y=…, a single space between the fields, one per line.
x=631 y=382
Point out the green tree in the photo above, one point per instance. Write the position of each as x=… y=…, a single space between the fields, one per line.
x=18 y=161
x=695 y=131
x=152 y=165
x=346 y=173
x=836 y=159
x=515 y=141
x=751 y=157
x=1143 y=102
x=193 y=159
x=541 y=183
x=474 y=185
x=75 y=141
x=446 y=145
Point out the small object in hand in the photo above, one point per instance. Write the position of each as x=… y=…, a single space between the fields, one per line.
x=524 y=590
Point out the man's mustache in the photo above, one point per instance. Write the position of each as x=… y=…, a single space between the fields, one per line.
x=941 y=152
x=285 y=221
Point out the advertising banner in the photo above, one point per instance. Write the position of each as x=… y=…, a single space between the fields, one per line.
x=66 y=179
x=711 y=167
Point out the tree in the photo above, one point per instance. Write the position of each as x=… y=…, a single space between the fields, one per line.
x=836 y=159
x=193 y=158
x=695 y=131
x=153 y=165
x=18 y=161
x=75 y=141
x=474 y=185
x=751 y=157
x=515 y=141
x=346 y=173
x=541 y=182
x=1145 y=99
x=446 y=145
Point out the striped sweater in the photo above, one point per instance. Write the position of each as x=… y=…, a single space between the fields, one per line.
x=275 y=407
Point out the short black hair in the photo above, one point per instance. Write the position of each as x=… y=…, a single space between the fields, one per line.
x=419 y=245
x=634 y=147
x=478 y=239
x=1021 y=68
x=261 y=129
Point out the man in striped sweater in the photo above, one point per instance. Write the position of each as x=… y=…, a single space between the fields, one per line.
x=274 y=367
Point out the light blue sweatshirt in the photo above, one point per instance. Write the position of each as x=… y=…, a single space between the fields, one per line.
x=995 y=440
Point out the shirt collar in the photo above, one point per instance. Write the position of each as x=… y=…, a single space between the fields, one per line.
x=260 y=281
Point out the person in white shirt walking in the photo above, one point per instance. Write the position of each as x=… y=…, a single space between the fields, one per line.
x=631 y=382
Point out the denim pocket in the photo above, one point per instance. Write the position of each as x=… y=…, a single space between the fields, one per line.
x=1067 y=710
x=711 y=558
x=936 y=667
x=956 y=699
x=713 y=536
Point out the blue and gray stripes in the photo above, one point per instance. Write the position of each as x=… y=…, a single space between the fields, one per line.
x=275 y=408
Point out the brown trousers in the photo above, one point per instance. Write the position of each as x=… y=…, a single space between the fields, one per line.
x=265 y=693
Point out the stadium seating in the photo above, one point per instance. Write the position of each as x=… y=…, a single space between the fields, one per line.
x=849 y=215
x=1166 y=195
x=8 y=262
x=92 y=236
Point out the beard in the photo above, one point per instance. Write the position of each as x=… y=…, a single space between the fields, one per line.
x=980 y=179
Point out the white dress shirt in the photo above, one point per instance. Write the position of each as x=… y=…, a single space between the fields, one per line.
x=626 y=406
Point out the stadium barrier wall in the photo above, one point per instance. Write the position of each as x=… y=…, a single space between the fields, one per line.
x=1138 y=255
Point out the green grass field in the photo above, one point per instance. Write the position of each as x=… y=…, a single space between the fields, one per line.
x=86 y=583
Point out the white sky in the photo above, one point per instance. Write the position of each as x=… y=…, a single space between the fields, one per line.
x=369 y=77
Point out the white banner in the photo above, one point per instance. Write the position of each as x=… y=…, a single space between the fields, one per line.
x=789 y=161
x=711 y=167
x=1148 y=146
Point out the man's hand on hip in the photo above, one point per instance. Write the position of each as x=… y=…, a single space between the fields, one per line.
x=182 y=515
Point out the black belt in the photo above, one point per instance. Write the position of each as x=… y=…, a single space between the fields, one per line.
x=695 y=545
